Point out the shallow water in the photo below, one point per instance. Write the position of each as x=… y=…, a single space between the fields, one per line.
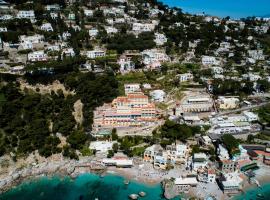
x=84 y=187
x=223 y=8
x=262 y=193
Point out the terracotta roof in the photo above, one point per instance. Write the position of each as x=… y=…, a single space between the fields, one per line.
x=211 y=171
x=137 y=95
x=226 y=161
x=262 y=153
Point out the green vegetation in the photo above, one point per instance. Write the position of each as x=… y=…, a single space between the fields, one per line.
x=221 y=87
x=122 y=42
x=264 y=114
x=231 y=144
x=30 y=121
x=174 y=131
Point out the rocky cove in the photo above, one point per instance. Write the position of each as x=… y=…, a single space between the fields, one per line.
x=71 y=168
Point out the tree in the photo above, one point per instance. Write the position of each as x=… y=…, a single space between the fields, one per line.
x=77 y=139
x=69 y=152
x=115 y=147
x=195 y=149
x=114 y=134
x=110 y=154
x=250 y=138
x=50 y=146
x=231 y=143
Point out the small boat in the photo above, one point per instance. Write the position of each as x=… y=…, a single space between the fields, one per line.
x=133 y=196
x=126 y=182
x=102 y=175
x=260 y=196
x=142 y=194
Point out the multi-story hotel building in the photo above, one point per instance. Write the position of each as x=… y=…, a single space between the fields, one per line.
x=125 y=111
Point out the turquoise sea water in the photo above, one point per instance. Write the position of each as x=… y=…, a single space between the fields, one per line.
x=91 y=186
x=262 y=193
x=84 y=187
x=223 y=8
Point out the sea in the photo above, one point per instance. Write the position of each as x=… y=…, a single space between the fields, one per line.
x=94 y=187
x=236 y=9
x=84 y=187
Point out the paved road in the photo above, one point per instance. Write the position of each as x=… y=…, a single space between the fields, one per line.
x=242 y=109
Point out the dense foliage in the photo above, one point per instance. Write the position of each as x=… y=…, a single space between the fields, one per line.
x=122 y=42
x=231 y=144
x=174 y=131
x=31 y=121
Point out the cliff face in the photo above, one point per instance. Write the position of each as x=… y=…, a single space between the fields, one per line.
x=78 y=111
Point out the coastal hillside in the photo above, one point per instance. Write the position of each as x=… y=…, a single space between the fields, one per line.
x=135 y=88
x=33 y=115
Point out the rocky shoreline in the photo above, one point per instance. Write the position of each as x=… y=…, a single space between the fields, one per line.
x=71 y=168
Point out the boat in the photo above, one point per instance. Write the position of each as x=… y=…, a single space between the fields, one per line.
x=126 y=182
x=260 y=196
x=142 y=194
x=133 y=196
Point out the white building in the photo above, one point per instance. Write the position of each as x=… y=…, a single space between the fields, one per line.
x=95 y=54
x=65 y=36
x=225 y=103
x=140 y=27
x=206 y=140
x=111 y=30
x=102 y=146
x=232 y=182
x=185 y=77
x=154 y=55
x=88 y=13
x=177 y=154
x=3 y=29
x=114 y=11
x=29 y=42
x=160 y=39
x=199 y=160
x=256 y=54
x=46 y=27
x=6 y=17
x=37 y=56
x=217 y=70
x=209 y=60
x=71 y=16
x=196 y=103
x=186 y=182
x=52 y=7
x=68 y=52
x=34 y=39
x=93 y=32
x=223 y=153
x=206 y=175
x=158 y=95
x=118 y=162
x=230 y=125
x=126 y=64
x=251 y=117
x=26 y=14
x=54 y=15
x=53 y=47
x=151 y=152
x=131 y=88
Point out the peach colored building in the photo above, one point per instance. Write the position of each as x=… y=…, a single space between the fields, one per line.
x=125 y=111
